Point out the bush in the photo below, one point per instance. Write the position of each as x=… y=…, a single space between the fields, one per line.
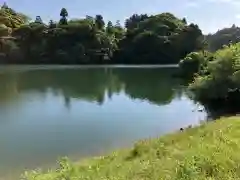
x=221 y=84
x=194 y=63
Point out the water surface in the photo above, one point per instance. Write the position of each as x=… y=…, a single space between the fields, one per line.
x=79 y=112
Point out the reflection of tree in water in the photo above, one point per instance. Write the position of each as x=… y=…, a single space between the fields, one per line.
x=220 y=110
x=154 y=85
x=67 y=102
x=8 y=87
x=86 y=84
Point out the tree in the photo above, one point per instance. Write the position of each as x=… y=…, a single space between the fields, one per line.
x=156 y=39
x=52 y=24
x=64 y=15
x=159 y=39
x=109 y=28
x=220 y=85
x=38 y=20
x=118 y=24
x=63 y=21
x=4 y=31
x=5 y=6
x=134 y=20
x=10 y=18
x=90 y=19
x=99 y=22
x=194 y=64
x=223 y=37
x=184 y=20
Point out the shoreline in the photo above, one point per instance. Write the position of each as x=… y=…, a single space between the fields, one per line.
x=93 y=65
x=206 y=151
x=4 y=68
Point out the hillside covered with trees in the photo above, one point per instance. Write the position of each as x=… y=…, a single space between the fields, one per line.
x=223 y=37
x=144 y=39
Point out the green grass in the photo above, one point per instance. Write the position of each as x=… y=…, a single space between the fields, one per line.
x=208 y=152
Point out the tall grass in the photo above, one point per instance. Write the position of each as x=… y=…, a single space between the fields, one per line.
x=208 y=152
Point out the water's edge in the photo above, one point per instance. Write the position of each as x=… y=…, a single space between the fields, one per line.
x=47 y=66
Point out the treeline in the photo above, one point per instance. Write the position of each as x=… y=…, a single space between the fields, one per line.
x=144 y=39
x=223 y=37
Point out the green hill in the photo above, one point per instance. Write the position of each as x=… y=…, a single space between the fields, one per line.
x=223 y=37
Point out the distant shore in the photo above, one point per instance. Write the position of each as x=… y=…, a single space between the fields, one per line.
x=52 y=66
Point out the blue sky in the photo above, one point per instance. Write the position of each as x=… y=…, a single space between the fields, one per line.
x=210 y=15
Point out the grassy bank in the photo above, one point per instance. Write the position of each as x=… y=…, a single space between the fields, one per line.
x=210 y=152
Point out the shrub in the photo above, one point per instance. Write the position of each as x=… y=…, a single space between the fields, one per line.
x=221 y=84
x=194 y=63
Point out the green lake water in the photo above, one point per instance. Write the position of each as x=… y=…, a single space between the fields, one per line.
x=80 y=112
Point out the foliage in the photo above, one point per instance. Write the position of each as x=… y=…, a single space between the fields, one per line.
x=38 y=20
x=194 y=63
x=221 y=84
x=90 y=41
x=205 y=152
x=4 y=30
x=64 y=15
x=9 y=21
x=133 y=22
x=159 y=39
x=64 y=12
x=223 y=37
x=11 y=18
x=99 y=22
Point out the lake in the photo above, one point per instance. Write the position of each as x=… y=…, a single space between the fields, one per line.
x=80 y=112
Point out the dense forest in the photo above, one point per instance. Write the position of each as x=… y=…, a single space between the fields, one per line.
x=223 y=37
x=91 y=40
